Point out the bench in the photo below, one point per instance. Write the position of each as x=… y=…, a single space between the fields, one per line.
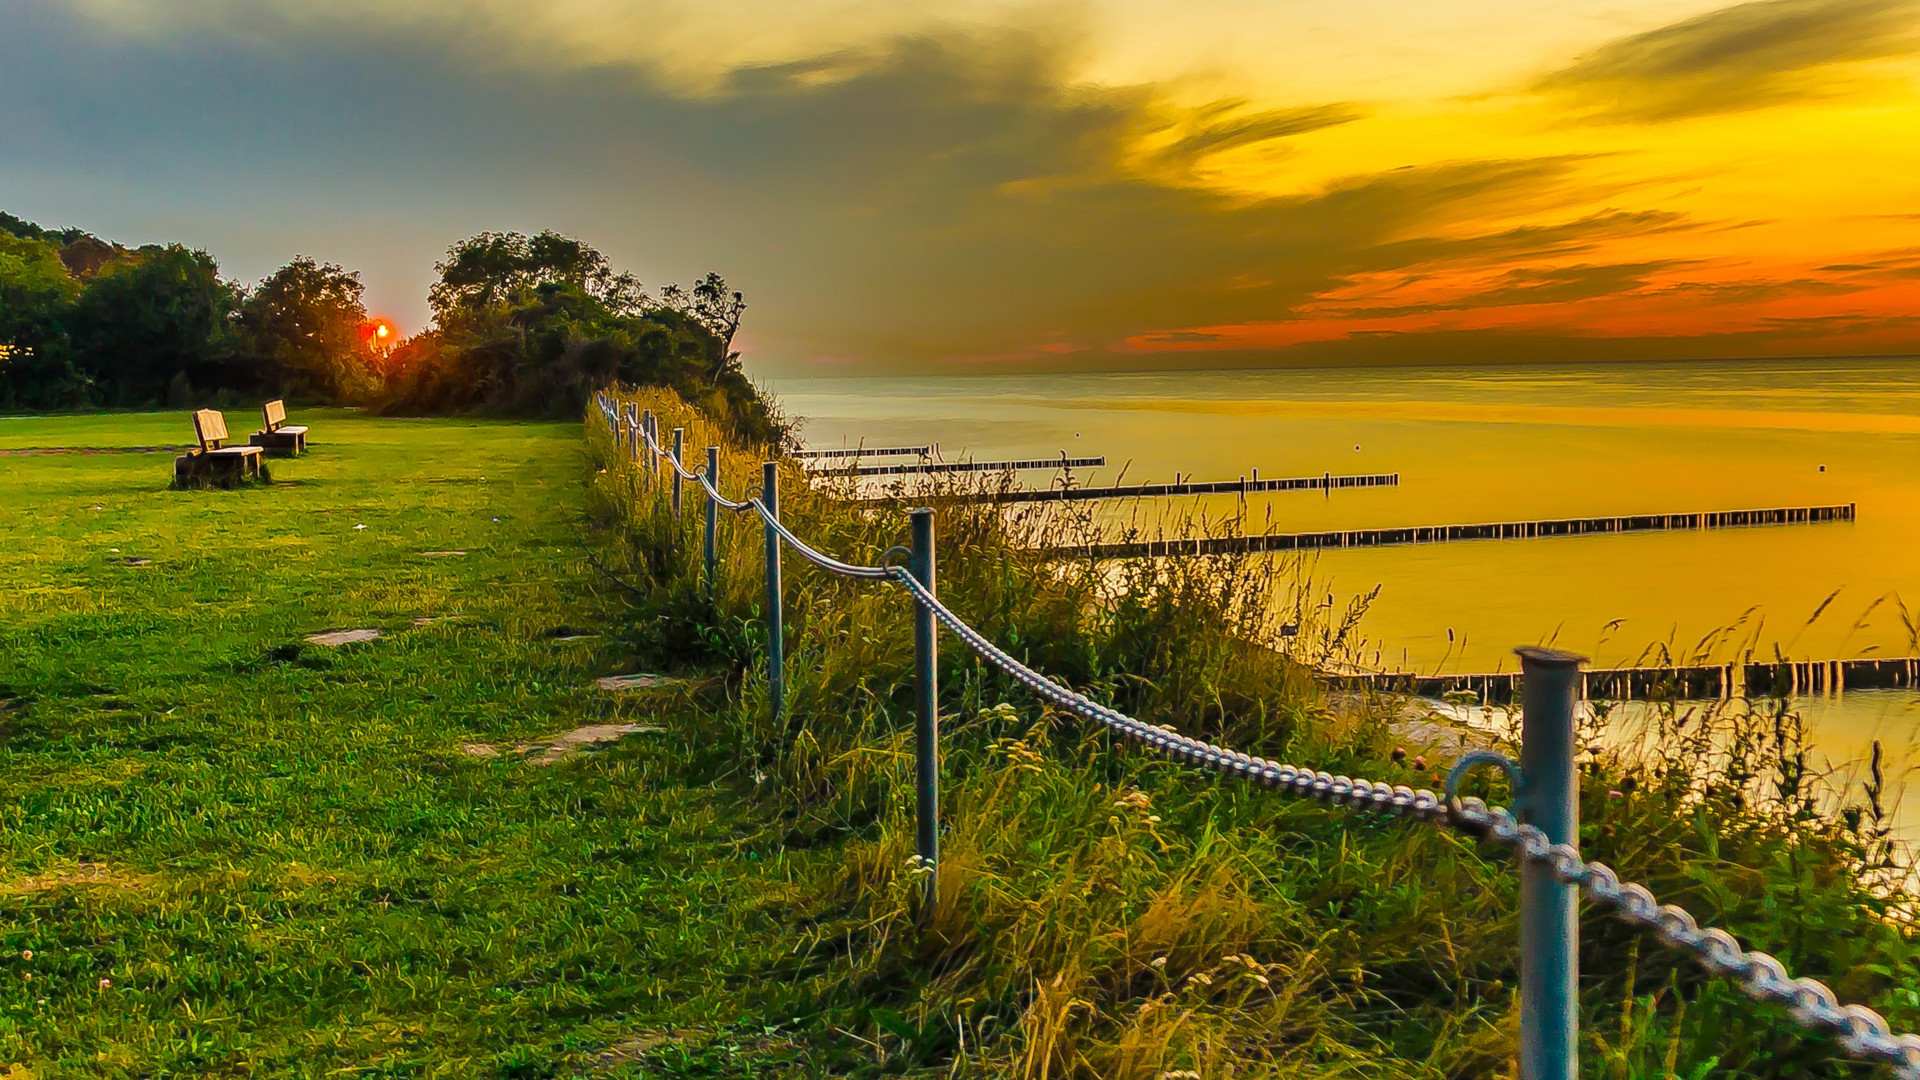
x=212 y=461
x=279 y=437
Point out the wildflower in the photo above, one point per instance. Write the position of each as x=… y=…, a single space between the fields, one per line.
x=26 y=976
x=1159 y=962
x=26 y=954
x=105 y=983
x=1420 y=762
x=1399 y=754
x=1616 y=793
x=357 y=528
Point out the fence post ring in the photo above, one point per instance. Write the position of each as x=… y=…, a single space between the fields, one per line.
x=1473 y=760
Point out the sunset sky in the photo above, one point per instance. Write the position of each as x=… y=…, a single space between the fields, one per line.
x=975 y=186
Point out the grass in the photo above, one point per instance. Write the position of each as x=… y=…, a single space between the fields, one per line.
x=227 y=852
x=1102 y=913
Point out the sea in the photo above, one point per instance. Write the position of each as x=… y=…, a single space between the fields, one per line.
x=1497 y=443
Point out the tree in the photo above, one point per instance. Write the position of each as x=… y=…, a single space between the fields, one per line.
x=303 y=328
x=713 y=306
x=494 y=268
x=532 y=326
x=35 y=291
x=154 y=328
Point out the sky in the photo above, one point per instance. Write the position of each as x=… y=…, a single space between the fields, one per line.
x=976 y=186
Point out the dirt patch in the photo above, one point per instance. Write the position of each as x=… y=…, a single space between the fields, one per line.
x=441 y=554
x=619 y=683
x=552 y=748
x=83 y=876
x=341 y=637
x=429 y=620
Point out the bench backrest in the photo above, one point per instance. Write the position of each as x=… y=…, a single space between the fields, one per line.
x=275 y=412
x=211 y=428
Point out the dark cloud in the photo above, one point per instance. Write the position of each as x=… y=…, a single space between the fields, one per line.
x=1741 y=57
x=1534 y=285
x=1225 y=126
x=902 y=207
x=1901 y=263
x=1816 y=336
x=1178 y=337
x=1555 y=239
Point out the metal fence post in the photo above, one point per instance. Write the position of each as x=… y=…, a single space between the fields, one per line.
x=711 y=548
x=1549 y=910
x=776 y=621
x=679 y=438
x=926 y=732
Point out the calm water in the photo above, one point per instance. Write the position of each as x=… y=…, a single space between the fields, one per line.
x=1493 y=444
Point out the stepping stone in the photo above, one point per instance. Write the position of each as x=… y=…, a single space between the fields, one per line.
x=552 y=748
x=138 y=562
x=619 y=683
x=432 y=554
x=557 y=747
x=341 y=637
x=575 y=637
x=429 y=620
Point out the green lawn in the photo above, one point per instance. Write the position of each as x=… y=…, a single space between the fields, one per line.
x=172 y=428
x=227 y=852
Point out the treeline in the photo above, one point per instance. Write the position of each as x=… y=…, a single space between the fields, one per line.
x=523 y=326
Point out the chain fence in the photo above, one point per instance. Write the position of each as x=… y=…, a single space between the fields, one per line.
x=1860 y=1031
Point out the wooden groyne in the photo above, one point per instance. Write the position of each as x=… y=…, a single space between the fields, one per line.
x=1683 y=682
x=864 y=452
x=1440 y=534
x=1831 y=676
x=967 y=466
x=1242 y=487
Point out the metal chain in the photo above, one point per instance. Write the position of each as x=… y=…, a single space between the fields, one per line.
x=817 y=558
x=714 y=494
x=658 y=452
x=1861 y=1032
x=699 y=473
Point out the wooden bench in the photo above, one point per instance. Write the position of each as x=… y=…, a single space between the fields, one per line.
x=213 y=461
x=279 y=437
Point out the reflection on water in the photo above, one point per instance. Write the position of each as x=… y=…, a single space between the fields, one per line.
x=1840 y=732
x=1492 y=444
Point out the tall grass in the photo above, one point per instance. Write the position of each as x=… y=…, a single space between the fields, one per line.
x=1101 y=913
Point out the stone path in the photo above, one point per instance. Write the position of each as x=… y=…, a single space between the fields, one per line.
x=341 y=637
x=553 y=748
x=617 y=683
